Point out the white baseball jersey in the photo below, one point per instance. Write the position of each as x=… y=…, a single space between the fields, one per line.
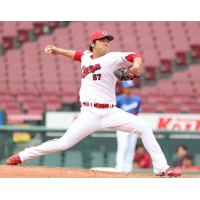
x=98 y=80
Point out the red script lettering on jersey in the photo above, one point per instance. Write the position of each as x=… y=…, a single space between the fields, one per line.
x=90 y=69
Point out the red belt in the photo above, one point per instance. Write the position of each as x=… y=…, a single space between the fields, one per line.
x=98 y=105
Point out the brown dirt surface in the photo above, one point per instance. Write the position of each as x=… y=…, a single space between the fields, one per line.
x=58 y=172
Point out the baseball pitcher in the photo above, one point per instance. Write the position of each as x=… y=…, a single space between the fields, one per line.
x=99 y=72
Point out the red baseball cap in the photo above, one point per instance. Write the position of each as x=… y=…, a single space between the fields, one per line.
x=100 y=34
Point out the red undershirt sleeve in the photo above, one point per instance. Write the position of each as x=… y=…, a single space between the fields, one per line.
x=78 y=56
x=131 y=57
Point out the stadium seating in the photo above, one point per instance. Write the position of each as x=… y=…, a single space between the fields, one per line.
x=36 y=108
x=9 y=30
x=162 y=103
x=23 y=30
x=194 y=109
x=172 y=109
x=28 y=101
x=33 y=78
x=148 y=108
x=53 y=104
x=192 y=29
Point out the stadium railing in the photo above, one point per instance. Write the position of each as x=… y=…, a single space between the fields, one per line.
x=9 y=144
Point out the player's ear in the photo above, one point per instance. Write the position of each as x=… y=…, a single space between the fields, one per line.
x=92 y=44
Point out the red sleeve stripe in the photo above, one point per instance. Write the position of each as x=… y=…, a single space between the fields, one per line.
x=131 y=57
x=78 y=56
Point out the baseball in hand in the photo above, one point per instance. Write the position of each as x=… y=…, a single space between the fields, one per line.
x=47 y=50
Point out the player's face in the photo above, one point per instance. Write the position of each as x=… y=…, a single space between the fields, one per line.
x=101 y=46
x=187 y=162
x=181 y=152
x=128 y=91
x=140 y=151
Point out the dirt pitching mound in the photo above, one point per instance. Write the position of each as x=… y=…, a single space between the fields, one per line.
x=58 y=172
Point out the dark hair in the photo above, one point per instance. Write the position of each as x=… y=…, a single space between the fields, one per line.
x=183 y=146
x=188 y=157
x=138 y=145
x=90 y=48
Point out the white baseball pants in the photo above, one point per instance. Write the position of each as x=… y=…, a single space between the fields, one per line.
x=92 y=119
x=126 y=143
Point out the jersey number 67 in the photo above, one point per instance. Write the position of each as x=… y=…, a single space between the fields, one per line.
x=96 y=77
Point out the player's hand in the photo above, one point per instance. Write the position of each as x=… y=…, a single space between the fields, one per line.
x=135 y=69
x=52 y=50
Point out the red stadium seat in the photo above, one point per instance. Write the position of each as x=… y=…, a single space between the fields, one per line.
x=37 y=108
x=177 y=97
x=52 y=87
x=193 y=75
x=38 y=28
x=53 y=104
x=23 y=30
x=196 y=88
x=180 y=76
x=186 y=103
x=162 y=41
x=3 y=86
x=13 y=109
x=14 y=88
x=148 y=109
x=143 y=100
x=166 y=62
x=146 y=90
x=69 y=97
x=172 y=109
x=198 y=99
x=43 y=41
x=161 y=104
x=192 y=29
x=3 y=72
x=62 y=38
x=28 y=101
x=179 y=41
x=166 y=86
x=185 y=87
x=7 y=100
x=92 y=26
x=54 y=24
x=22 y=95
x=45 y=95
x=9 y=30
x=3 y=93
x=30 y=52
x=194 y=109
x=33 y=87
x=153 y=97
